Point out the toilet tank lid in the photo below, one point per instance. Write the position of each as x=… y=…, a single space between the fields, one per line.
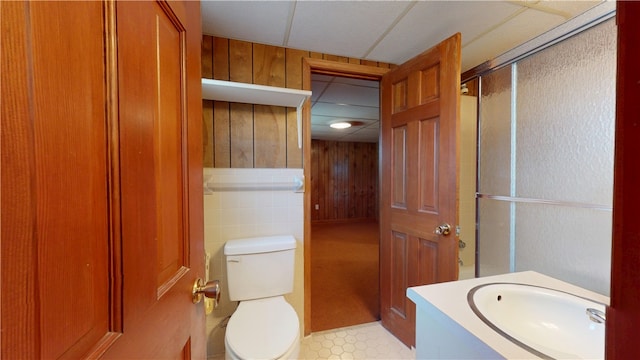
x=259 y=245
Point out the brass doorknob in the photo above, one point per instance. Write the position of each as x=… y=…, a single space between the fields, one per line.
x=444 y=229
x=211 y=290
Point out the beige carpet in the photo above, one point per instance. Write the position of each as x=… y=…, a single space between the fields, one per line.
x=344 y=275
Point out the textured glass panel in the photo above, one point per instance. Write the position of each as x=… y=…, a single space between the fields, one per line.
x=570 y=244
x=495 y=133
x=493 y=237
x=565 y=119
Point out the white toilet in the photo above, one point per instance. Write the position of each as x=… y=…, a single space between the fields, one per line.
x=259 y=273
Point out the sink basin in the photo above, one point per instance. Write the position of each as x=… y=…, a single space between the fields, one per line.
x=548 y=323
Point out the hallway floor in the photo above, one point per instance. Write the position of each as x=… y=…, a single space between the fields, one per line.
x=366 y=341
x=344 y=275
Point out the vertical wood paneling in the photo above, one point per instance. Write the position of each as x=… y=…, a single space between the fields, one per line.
x=240 y=61
x=293 y=81
x=268 y=65
x=331 y=57
x=207 y=57
x=344 y=179
x=220 y=132
x=234 y=125
x=241 y=121
x=207 y=105
x=368 y=63
x=207 y=133
x=294 y=152
x=270 y=129
x=220 y=58
x=270 y=122
x=294 y=67
x=326 y=191
x=221 y=135
x=241 y=115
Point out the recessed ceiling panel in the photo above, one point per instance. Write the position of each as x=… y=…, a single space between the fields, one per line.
x=430 y=22
x=351 y=95
x=317 y=89
x=570 y=8
x=350 y=30
x=326 y=120
x=263 y=22
x=357 y=82
x=345 y=111
x=521 y=28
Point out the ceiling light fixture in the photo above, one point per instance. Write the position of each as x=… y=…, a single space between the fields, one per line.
x=340 y=125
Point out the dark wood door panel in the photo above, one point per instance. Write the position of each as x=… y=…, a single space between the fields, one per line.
x=419 y=164
x=92 y=191
x=55 y=244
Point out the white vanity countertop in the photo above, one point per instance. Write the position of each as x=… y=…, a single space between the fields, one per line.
x=450 y=299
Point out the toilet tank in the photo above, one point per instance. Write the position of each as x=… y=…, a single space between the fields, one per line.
x=260 y=267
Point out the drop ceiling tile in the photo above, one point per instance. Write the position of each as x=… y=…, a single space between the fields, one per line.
x=321 y=129
x=353 y=27
x=357 y=82
x=373 y=125
x=320 y=77
x=571 y=8
x=522 y=28
x=430 y=22
x=347 y=94
x=263 y=22
x=317 y=89
x=361 y=137
x=326 y=120
x=367 y=132
x=323 y=120
x=351 y=112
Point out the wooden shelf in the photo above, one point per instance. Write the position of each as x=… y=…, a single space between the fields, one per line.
x=256 y=94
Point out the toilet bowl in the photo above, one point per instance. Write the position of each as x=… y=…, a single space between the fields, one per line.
x=263 y=329
x=260 y=273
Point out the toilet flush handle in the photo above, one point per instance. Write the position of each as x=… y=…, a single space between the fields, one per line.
x=211 y=290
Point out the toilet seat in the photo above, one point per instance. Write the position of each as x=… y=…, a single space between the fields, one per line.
x=262 y=329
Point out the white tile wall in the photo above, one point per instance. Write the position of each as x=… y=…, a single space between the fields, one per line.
x=249 y=213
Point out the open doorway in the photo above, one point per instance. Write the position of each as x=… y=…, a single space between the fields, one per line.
x=344 y=198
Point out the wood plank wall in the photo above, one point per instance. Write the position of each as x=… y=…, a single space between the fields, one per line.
x=344 y=181
x=254 y=136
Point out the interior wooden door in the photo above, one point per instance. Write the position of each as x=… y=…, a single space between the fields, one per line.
x=159 y=109
x=420 y=116
x=101 y=180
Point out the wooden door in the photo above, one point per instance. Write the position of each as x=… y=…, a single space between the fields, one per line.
x=420 y=115
x=101 y=180
x=623 y=315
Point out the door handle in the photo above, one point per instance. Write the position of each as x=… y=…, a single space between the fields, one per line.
x=211 y=290
x=444 y=229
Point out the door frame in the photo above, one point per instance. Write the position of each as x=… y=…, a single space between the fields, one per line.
x=326 y=67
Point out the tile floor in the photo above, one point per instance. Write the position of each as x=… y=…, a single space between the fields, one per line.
x=366 y=341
